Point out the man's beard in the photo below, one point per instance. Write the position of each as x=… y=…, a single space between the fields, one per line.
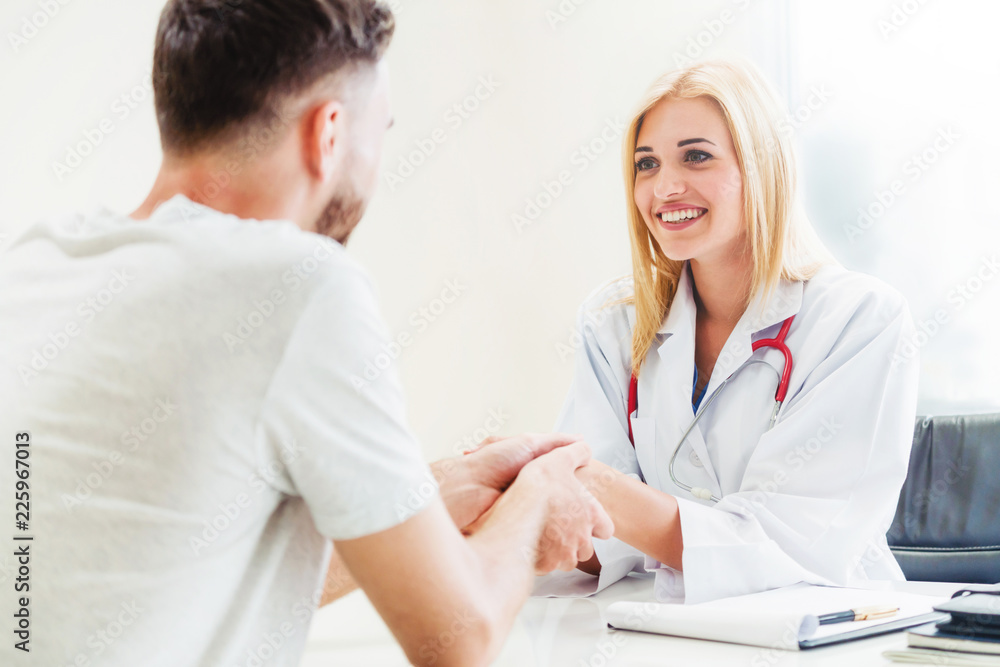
x=341 y=215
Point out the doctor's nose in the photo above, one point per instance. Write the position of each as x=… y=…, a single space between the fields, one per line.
x=668 y=184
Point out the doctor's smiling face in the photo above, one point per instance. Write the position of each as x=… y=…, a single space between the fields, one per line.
x=688 y=186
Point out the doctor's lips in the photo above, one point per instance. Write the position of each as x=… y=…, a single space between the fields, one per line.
x=679 y=214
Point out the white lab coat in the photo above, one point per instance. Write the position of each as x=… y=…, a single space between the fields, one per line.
x=809 y=500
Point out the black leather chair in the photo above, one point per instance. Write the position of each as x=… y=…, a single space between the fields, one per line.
x=947 y=524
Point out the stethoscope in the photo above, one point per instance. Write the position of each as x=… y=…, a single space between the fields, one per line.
x=777 y=343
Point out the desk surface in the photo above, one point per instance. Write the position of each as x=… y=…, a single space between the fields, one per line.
x=569 y=632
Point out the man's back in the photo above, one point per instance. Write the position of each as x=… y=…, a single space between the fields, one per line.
x=163 y=369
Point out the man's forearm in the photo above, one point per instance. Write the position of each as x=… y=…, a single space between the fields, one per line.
x=423 y=577
x=464 y=496
x=464 y=499
x=505 y=550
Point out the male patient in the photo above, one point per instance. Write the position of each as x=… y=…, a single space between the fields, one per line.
x=188 y=386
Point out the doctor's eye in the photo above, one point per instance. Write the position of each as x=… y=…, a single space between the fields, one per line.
x=689 y=154
x=645 y=163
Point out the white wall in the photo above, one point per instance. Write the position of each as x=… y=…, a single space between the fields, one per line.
x=562 y=77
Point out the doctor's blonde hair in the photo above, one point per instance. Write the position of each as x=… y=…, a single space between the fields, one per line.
x=782 y=241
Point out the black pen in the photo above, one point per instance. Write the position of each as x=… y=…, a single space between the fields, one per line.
x=859 y=614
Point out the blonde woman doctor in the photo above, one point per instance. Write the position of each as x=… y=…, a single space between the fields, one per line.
x=722 y=257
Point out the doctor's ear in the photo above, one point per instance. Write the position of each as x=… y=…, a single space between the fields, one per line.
x=324 y=130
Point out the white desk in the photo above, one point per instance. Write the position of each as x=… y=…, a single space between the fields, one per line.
x=564 y=632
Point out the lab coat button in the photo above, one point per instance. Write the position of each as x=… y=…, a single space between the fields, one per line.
x=695 y=461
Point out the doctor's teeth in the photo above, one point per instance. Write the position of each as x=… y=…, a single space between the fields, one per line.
x=683 y=214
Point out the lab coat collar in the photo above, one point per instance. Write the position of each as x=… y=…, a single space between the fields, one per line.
x=677 y=346
x=785 y=301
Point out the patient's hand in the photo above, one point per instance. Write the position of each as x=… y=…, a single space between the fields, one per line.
x=470 y=484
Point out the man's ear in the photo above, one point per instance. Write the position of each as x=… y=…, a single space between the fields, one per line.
x=323 y=133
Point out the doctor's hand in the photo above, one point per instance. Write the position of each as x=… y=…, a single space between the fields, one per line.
x=471 y=484
x=572 y=516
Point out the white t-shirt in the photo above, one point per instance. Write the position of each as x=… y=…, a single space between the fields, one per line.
x=207 y=400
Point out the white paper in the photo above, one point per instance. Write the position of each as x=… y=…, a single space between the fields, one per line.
x=772 y=630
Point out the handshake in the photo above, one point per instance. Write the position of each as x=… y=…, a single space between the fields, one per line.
x=530 y=482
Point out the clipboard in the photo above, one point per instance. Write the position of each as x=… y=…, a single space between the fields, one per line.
x=784 y=618
x=885 y=628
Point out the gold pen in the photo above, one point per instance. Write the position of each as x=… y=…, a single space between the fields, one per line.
x=859 y=614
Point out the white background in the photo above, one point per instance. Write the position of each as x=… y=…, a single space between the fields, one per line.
x=894 y=74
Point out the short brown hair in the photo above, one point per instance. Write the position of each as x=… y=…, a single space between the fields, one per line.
x=221 y=66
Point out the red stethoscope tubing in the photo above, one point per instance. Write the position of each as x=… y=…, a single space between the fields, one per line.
x=778 y=343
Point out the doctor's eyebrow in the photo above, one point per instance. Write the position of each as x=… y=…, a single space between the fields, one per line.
x=647 y=149
x=692 y=141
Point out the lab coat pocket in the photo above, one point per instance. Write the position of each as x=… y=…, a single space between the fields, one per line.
x=644 y=434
